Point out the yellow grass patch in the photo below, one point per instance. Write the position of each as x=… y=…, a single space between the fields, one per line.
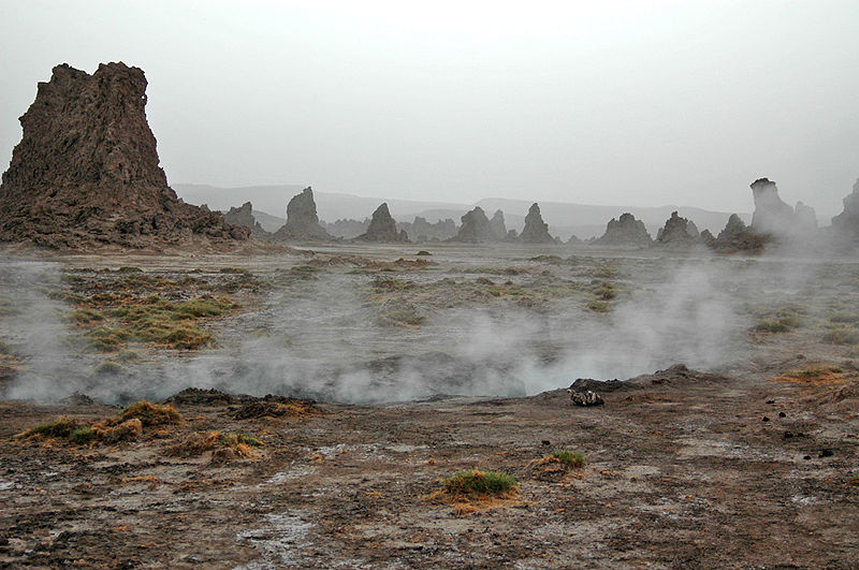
x=817 y=375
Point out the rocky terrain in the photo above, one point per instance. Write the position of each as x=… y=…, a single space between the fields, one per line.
x=750 y=461
x=86 y=172
x=846 y=224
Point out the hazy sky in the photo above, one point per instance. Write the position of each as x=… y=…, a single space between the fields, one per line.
x=606 y=102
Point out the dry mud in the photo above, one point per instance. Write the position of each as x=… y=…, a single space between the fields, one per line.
x=752 y=464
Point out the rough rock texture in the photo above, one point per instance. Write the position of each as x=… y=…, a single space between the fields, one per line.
x=475 y=228
x=772 y=215
x=805 y=219
x=846 y=224
x=243 y=216
x=678 y=232
x=738 y=237
x=346 y=228
x=497 y=226
x=302 y=222
x=86 y=170
x=383 y=227
x=625 y=230
x=535 y=230
x=422 y=230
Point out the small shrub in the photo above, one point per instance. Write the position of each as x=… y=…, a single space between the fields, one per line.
x=841 y=337
x=129 y=269
x=61 y=427
x=83 y=435
x=86 y=316
x=569 y=458
x=599 y=306
x=479 y=482
x=224 y=446
x=125 y=431
x=151 y=414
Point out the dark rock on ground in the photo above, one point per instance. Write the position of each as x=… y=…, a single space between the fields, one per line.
x=625 y=230
x=535 y=230
x=86 y=172
x=589 y=384
x=383 y=228
x=586 y=399
x=302 y=222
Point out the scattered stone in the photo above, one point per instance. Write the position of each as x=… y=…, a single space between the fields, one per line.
x=383 y=228
x=625 y=230
x=782 y=415
x=302 y=222
x=423 y=252
x=586 y=399
x=536 y=230
x=86 y=172
x=826 y=453
x=765 y=419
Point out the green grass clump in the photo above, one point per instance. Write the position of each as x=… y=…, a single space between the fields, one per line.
x=83 y=435
x=129 y=269
x=846 y=318
x=86 y=315
x=235 y=439
x=570 y=458
x=479 y=482
x=407 y=317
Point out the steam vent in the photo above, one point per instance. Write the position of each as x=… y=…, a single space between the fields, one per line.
x=86 y=171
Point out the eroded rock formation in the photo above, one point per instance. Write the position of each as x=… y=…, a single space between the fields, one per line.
x=475 y=228
x=302 y=222
x=678 y=232
x=738 y=237
x=243 y=216
x=772 y=215
x=422 y=230
x=86 y=171
x=497 y=227
x=846 y=224
x=383 y=227
x=535 y=230
x=625 y=230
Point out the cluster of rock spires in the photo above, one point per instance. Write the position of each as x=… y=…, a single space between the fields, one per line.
x=86 y=171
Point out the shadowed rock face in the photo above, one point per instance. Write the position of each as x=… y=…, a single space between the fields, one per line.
x=422 y=230
x=302 y=222
x=678 y=232
x=625 y=230
x=86 y=171
x=771 y=215
x=475 y=228
x=383 y=227
x=738 y=237
x=535 y=230
x=243 y=216
x=497 y=227
x=846 y=224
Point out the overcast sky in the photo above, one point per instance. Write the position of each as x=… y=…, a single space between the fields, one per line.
x=604 y=102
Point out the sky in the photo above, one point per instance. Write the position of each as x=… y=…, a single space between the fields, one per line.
x=615 y=102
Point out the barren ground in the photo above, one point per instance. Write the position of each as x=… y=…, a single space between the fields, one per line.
x=754 y=464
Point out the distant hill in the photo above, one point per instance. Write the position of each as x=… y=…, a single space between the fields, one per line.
x=564 y=218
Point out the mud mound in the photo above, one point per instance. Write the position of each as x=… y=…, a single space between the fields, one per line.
x=202 y=397
x=86 y=172
x=274 y=407
x=679 y=374
x=588 y=384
